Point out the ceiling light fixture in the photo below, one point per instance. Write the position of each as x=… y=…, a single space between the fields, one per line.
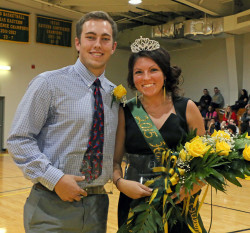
x=5 y=67
x=134 y=2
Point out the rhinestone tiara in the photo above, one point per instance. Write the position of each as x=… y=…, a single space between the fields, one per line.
x=144 y=44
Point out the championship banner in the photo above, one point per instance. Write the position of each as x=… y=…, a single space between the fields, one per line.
x=53 y=31
x=14 y=26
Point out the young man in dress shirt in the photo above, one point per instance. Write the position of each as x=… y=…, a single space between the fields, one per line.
x=50 y=133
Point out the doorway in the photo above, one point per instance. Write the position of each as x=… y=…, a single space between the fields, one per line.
x=1 y=122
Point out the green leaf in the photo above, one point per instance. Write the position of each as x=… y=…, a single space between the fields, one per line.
x=141 y=207
x=215 y=183
x=231 y=178
x=240 y=143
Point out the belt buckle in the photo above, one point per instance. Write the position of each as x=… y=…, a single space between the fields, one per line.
x=95 y=190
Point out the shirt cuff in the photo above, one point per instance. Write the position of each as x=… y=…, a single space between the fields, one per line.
x=51 y=177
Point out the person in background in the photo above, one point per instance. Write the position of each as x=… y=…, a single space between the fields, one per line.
x=248 y=104
x=245 y=125
x=231 y=129
x=203 y=111
x=211 y=127
x=206 y=99
x=217 y=99
x=228 y=115
x=51 y=138
x=235 y=129
x=172 y=117
x=241 y=102
x=212 y=114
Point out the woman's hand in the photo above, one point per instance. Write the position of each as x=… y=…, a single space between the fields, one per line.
x=133 y=189
x=183 y=194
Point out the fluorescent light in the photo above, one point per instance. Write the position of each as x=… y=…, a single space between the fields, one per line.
x=5 y=67
x=2 y=230
x=134 y=2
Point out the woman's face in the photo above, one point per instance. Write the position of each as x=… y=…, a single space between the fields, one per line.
x=148 y=77
x=228 y=109
x=242 y=92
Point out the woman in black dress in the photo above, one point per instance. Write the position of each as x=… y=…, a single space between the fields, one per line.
x=242 y=101
x=150 y=74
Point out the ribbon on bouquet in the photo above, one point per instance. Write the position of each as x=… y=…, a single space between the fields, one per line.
x=191 y=206
x=172 y=174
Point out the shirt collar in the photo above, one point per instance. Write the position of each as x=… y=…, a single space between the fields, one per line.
x=89 y=78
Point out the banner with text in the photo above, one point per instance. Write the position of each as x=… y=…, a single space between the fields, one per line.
x=53 y=31
x=14 y=26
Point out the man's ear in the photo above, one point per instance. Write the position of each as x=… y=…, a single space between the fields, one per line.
x=114 y=47
x=77 y=44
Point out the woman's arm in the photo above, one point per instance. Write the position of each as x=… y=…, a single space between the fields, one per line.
x=130 y=188
x=194 y=121
x=119 y=147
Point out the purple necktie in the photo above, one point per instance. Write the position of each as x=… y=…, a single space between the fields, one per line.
x=92 y=162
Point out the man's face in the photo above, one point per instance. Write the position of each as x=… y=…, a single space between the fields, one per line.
x=216 y=90
x=96 y=45
x=205 y=92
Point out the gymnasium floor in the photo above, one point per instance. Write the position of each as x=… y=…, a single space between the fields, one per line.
x=231 y=211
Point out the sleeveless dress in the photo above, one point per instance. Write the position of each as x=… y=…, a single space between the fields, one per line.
x=173 y=132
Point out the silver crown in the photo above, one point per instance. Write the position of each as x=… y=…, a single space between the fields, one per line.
x=144 y=44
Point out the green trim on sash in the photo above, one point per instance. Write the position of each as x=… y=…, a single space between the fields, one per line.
x=148 y=129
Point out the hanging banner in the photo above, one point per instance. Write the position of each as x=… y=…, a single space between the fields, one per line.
x=53 y=31
x=14 y=26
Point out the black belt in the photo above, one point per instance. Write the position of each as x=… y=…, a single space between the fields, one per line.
x=139 y=167
x=40 y=186
x=89 y=190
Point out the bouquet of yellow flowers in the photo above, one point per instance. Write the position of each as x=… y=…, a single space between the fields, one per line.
x=213 y=160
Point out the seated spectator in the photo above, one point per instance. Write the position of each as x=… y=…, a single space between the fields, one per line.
x=206 y=99
x=211 y=127
x=248 y=104
x=232 y=122
x=245 y=125
x=203 y=110
x=217 y=99
x=242 y=101
x=229 y=114
x=232 y=129
x=211 y=114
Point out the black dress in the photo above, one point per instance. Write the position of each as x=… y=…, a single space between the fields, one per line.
x=173 y=131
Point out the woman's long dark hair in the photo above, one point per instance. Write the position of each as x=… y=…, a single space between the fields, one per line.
x=245 y=95
x=162 y=59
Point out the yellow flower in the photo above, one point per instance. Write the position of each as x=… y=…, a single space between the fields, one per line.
x=183 y=155
x=223 y=147
x=212 y=151
x=248 y=137
x=119 y=91
x=196 y=138
x=221 y=134
x=214 y=134
x=246 y=153
x=196 y=148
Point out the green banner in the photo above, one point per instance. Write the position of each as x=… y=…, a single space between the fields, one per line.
x=14 y=26
x=53 y=31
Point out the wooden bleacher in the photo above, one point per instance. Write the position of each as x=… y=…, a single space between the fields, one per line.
x=239 y=114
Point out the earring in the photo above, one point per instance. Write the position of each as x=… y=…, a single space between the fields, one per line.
x=164 y=90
